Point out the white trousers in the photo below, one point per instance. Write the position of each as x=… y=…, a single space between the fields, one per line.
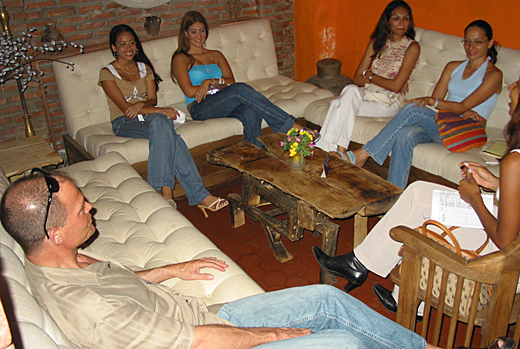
x=379 y=252
x=341 y=117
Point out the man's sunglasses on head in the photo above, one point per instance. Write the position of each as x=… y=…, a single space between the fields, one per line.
x=53 y=186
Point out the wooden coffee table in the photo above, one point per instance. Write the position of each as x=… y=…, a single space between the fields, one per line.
x=303 y=197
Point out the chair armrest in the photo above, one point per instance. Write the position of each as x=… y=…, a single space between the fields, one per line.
x=420 y=245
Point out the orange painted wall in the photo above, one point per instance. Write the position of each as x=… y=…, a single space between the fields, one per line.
x=341 y=28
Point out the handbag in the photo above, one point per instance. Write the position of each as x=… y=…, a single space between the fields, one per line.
x=468 y=287
x=373 y=92
x=460 y=133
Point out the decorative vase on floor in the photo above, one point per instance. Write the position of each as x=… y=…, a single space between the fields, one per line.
x=297 y=162
x=329 y=76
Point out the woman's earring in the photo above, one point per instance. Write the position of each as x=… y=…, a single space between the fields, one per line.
x=136 y=51
x=114 y=54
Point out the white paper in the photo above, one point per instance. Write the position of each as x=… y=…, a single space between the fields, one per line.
x=449 y=209
x=180 y=119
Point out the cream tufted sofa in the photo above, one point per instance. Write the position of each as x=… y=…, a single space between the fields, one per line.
x=437 y=49
x=250 y=50
x=137 y=227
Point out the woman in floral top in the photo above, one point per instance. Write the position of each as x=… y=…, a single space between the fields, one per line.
x=381 y=79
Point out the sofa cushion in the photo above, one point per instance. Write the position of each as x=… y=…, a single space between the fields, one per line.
x=138 y=228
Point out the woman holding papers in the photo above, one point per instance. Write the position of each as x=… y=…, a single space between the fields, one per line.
x=504 y=229
x=378 y=253
x=130 y=83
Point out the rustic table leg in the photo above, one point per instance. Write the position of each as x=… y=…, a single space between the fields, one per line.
x=249 y=190
x=237 y=214
x=273 y=228
x=329 y=244
x=250 y=195
x=275 y=240
x=360 y=229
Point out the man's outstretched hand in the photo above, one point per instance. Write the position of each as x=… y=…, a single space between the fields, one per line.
x=185 y=270
x=227 y=337
x=191 y=270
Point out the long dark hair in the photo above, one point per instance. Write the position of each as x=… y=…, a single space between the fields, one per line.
x=382 y=31
x=512 y=129
x=140 y=56
x=190 y=18
x=488 y=31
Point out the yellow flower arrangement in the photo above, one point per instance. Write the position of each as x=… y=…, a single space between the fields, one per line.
x=298 y=142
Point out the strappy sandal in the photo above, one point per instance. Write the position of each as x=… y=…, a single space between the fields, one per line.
x=172 y=203
x=348 y=156
x=214 y=207
x=508 y=344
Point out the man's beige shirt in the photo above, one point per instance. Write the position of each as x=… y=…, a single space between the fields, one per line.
x=106 y=306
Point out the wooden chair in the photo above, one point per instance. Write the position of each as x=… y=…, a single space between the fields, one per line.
x=500 y=270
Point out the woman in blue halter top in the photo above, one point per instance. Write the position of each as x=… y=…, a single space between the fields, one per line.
x=469 y=88
x=200 y=73
x=131 y=85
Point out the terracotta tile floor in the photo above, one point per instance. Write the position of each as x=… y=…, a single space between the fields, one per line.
x=249 y=248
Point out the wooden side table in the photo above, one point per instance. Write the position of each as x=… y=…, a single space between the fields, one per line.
x=24 y=154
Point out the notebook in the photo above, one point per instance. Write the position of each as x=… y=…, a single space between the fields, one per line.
x=497 y=150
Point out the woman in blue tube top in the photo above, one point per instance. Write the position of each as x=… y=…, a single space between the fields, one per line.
x=200 y=73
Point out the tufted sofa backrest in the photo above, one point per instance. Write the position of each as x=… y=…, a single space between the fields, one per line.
x=437 y=49
x=248 y=46
x=139 y=229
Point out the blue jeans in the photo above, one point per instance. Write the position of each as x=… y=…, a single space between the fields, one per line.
x=411 y=126
x=242 y=102
x=168 y=154
x=336 y=319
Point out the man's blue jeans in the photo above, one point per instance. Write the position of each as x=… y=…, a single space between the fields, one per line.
x=168 y=156
x=242 y=102
x=411 y=126
x=336 y=319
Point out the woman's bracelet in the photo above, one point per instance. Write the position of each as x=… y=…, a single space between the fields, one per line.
x=365 y=74
x=221 y=81
x=436 y=103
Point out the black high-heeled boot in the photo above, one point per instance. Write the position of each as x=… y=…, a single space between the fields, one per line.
x=346 y=266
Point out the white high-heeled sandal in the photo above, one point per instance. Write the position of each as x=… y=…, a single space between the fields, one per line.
x=214 y=207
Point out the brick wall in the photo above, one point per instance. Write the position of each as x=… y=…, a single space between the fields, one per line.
x=88 y=22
